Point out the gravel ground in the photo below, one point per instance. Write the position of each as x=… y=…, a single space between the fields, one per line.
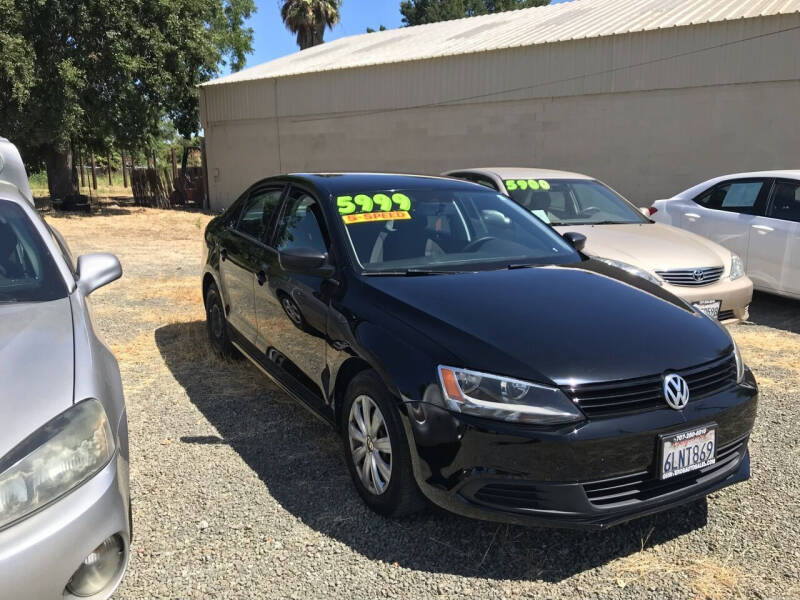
x=239 y=493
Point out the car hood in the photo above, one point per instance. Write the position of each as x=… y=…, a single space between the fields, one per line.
x=566 y=325
x=36 y=367
x=651 y=246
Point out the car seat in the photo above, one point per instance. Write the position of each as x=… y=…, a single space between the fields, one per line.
x=10 y=266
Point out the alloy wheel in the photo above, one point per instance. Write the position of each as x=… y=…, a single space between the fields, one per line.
x=370 y=446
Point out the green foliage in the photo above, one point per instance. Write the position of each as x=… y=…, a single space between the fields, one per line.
x=381 y=28
x=308 y=19
x=419 y=12
x=103 y=72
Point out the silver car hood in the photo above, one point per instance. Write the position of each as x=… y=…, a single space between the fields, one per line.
x=36 y=367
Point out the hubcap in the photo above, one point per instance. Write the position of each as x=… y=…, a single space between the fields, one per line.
x=292 y=311
x=370 y=446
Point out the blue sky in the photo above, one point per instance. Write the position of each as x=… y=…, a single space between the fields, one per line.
x=271 y=39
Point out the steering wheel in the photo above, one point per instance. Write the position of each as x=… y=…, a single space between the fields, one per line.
x=475 y=244
x=590 y=210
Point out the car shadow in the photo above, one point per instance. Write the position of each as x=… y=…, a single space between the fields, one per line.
x=300 y=462
x=775 y=311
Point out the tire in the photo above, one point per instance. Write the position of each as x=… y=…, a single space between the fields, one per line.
x=217 y=326
x=399 y=495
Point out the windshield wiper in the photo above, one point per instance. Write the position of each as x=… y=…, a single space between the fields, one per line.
x=411 y=272
x=608 y=223
x=522 y=266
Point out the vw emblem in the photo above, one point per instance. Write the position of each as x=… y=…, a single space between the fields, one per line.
x=698 y=275
x=676 y=391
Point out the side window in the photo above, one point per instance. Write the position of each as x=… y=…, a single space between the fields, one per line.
x=785 y=201
x=258 y=212
x=62 y=246
x=300 y=225
x=482 y=180
x=735 y=196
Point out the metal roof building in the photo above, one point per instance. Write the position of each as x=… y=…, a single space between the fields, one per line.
x=651 y=96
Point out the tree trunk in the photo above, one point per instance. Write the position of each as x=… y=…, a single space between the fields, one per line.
x=59 y=174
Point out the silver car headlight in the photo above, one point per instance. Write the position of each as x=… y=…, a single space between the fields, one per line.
x=632 y=269
x=57 y=458
x=504 y=398
x=737 y=267
x=739 y=362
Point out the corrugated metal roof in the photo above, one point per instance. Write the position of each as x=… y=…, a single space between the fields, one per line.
x=578 y=19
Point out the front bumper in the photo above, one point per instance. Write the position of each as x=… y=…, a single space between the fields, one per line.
x=735 y=296
x=595 y=474
x=39 y=554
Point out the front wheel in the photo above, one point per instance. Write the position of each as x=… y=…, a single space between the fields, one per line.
x=376 y=449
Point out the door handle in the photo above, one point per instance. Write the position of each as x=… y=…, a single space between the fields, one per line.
x=691 y=215
x=764 y=228
x=261 y=276
x=223 y=253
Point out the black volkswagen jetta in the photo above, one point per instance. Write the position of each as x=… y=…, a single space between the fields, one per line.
x=469 y=354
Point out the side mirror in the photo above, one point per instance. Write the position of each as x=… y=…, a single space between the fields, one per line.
x=576 y=240
x=645 y=211
x=306 y=261
x=97 y=270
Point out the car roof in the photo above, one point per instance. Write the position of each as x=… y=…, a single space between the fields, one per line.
x=522 y=173
x=700 y=187
x=13 y=171
x=335 y=183
x=9 y=191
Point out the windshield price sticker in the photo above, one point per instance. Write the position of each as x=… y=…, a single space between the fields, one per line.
x=369 y=217
x=363 y=203
x=526 y=184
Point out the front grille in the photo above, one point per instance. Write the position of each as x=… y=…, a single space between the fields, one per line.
x=639 y=487
x=647 y=393
x=724 y=315
x=510 y=495
x=692 y=277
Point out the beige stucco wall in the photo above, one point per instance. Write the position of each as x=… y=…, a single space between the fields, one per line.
x=649 y=131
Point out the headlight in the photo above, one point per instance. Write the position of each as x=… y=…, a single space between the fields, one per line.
x=737 y=267
x=58 y=457
x=739 y=363
x=504 y=398
x=633 y=270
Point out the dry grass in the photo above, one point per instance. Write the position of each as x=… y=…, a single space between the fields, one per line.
x=769 y=347
x=709 y=578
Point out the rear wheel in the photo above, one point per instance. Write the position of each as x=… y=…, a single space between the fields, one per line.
x=376 y=449
x=217 y=325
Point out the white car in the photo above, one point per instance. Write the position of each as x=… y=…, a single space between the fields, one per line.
x=755 y=215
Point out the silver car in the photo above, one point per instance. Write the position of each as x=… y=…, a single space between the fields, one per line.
x=65 y=520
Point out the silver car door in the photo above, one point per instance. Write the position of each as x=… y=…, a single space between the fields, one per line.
x=774 y=255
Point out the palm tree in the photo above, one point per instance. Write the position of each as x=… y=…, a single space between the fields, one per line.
x=309 y=18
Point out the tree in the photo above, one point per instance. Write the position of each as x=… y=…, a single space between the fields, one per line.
x=419 y=12
x=381 y=28
x=97 y=72
x=308 y=19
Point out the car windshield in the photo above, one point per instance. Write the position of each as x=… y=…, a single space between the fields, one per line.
x=573 y=202
x=432 y=230
x=27 y=271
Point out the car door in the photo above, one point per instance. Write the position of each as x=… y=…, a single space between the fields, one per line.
x=239 y=258
x=725 y=212
x=292 y=308
x=774 y=253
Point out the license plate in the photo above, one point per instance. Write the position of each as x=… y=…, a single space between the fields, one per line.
x=688 y=450
x=709 y=307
